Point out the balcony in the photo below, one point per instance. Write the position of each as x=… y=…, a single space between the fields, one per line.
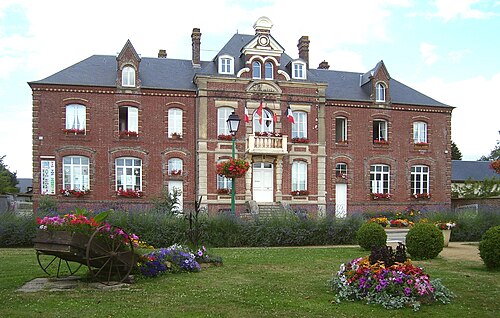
x=267 y=145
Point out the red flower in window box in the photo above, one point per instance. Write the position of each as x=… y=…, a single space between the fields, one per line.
x=129 y=193
x=495 y=165
x=126 y=133
x=300 y=140
x=74 y=193
x=299 y=193
x=380 y=142
x=381 y=196
x=225 y=137
x=175 y=172
x=176 y=135
x=421 y=196
x=233 y=168
x=74 y=131
x=342 y=142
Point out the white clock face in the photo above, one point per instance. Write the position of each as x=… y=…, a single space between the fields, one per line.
x=263 y=40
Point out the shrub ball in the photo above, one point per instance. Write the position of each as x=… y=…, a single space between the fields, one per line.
x=371 y=235
x=489 y=248
x=424 y=241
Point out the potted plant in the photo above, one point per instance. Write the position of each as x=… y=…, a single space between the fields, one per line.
x=233 y=168
x=445 y=228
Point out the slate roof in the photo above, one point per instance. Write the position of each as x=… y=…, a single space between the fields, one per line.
x=23 y=184
x=475 y=170
x=174 y=74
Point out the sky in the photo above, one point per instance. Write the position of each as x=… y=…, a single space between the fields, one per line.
x=446 y=49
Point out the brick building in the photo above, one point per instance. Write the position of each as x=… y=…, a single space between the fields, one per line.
x=116 y=130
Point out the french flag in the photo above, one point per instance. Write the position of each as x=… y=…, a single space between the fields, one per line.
x=259 y=112
x=289 y=115
x=247 y=119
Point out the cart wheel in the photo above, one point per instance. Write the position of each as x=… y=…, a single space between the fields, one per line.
x=110 y=257
x=56 y=266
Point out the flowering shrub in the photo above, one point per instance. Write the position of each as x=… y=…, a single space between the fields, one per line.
x=299 y=192
x=495 y=165
x=445 y=225
x=397 y=286
x=381 y=196
x=129 y=193
x=126 y=133
x=74 y=131
x=75 y=193
x=225 y=137
x=233 y=168
x=421 y=196
x=300 y=140
x=175 y=258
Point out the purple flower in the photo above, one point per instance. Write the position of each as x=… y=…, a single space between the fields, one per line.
x=407 y=291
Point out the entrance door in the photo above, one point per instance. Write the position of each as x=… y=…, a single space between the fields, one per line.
x=341 y=200
x=175 y=185
x=263 y=181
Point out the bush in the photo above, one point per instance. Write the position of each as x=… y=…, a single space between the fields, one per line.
x=371 y=235
x=489 y=248
x=424 y=241
x=17 y=230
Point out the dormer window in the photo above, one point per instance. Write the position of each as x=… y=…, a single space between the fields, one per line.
x=298 y=70
x=128 y=76
x=268 y=70
x=380 y=92
x=256 y=70
x=226 y=64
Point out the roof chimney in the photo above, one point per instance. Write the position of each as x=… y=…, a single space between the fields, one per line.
x=304 y=49
x=162 y=54
x=323 y=65
x=196 y=38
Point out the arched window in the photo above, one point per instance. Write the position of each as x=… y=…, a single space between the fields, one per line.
x=380 y=92
x=75 y=117
x=267 y=124
x=222 y=116
x=268 y=69
x=174 y=166
x=256 y=70
x=76 y=173
x=175 y=122
x=128 y=173
x=299 y=176
x=128 y=76
x=299 y=128
x=419 y=132
x=379 y=178
x=419 y=179
x=341 y=170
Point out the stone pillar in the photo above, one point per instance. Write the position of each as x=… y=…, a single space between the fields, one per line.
x=201 y=141
x=322 y=193
x=248 y=180
x=279 y=178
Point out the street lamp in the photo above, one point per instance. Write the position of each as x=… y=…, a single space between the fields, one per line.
x=233 y=123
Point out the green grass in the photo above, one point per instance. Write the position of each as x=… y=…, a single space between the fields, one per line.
x=254 y=282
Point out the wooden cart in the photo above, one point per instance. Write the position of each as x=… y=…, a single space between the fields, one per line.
x=109 y=259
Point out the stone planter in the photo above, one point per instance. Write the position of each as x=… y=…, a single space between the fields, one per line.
x=396 y=234
x=446 y=236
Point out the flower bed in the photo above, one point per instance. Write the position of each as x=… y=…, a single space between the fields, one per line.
x=233 y=168
x=397 y=286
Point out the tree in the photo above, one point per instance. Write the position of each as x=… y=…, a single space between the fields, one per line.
x=494 y=154
x=8 y=180
x=456 y=154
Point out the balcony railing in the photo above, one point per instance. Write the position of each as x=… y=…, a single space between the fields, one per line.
x=267 y=145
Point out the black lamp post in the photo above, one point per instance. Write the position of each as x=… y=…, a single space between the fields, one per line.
x=233 y=123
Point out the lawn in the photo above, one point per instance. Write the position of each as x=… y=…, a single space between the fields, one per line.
x=254 y=282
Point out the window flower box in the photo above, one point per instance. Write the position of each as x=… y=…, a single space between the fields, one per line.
x=175 y=172
x=300 y=140
x=126 y=133
x=380 y=196
x=421 y=196
x=381 y=142
x=74 y=131
x=421 y=144
x=176 y=135
x=74 y=193
x=223 y=191
x=297 y=193
x=341 y=175
x=233 y=168
x=225 y=137
x=341 y=142
x=129 y=193
x=267 y=134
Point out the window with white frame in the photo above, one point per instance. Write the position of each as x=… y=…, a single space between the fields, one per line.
x=419 y=179
x=224 y=183
x=256 y=70
x=419 y=132
x=128 y=119
x=76 y=173
x=222 y=116
x=268 y=70
x=299 y=176
x=380 y=92
x=341 y=170
x=128 y=76
x=298 y=70
x=226 y=64
x=380 y=130
x=175 y=122
x=128 y=171
x=379 y=178
x=174 y=166
x=267 y=124
x=341 y=129
x=299 y=128
x=76 y=117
